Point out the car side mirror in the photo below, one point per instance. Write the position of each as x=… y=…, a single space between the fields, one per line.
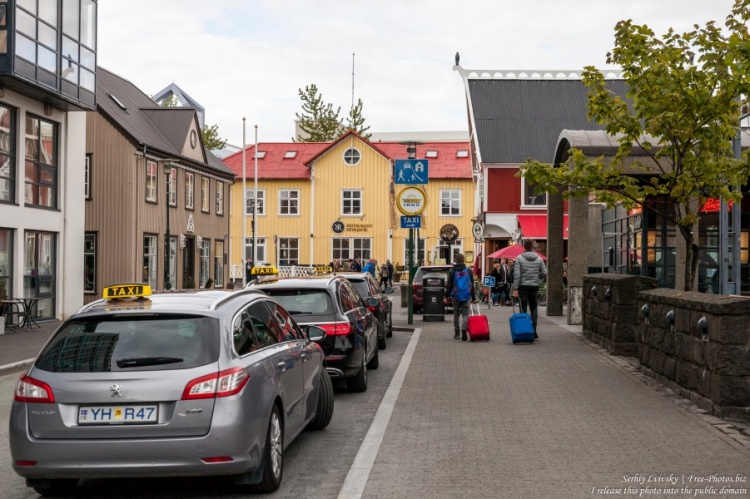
x=388 y=290
x=315 y=333
x=372 y=302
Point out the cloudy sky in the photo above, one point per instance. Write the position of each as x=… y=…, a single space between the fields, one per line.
x=249 y=58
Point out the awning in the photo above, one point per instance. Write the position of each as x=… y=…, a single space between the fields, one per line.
x=535 y=226
x=499 y=225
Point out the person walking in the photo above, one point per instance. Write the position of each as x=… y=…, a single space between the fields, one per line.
x=498 y=286
x=460 y=287
x=529 y=270
x=505 y=278
x=390 y=272
x=384 y=277
x=370 y=266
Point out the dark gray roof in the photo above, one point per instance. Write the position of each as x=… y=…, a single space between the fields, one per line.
x=516 y=119
x=162 y=130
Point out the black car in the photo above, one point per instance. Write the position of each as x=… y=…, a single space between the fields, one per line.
x=367 y=287
x=333 y=304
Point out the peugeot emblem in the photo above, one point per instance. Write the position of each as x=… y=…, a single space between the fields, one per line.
x=116 y=391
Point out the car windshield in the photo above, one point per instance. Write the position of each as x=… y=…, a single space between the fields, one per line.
x=302 y=301
x=135 y=343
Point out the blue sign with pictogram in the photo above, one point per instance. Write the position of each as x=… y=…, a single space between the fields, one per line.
x=411 y=222
x=411 y=171
x=489 y=281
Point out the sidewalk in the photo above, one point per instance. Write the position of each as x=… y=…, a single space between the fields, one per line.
x=19 y=347
x=559 y=418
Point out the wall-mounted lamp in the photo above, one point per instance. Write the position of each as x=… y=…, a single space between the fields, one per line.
x=644 y=312
x=703 y=328
x=593 y=291
x=670 y=319
x=608 y=294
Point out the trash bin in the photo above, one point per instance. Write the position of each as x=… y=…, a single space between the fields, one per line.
x=433 y=292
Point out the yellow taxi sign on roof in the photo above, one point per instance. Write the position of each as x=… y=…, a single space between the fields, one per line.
x=264 y=271
x=127 y=291
x=323 y=269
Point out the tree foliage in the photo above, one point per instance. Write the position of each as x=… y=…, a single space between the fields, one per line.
x=321 y=123
x=686 y=94
x=211 y=139
x=318 y=120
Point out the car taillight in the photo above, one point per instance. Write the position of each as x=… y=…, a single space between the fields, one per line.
x=221 y=384
x=29 y=389
x=372 y=309
x=336 y=328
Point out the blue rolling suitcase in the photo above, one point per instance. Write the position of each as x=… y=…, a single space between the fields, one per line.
x=521 y=328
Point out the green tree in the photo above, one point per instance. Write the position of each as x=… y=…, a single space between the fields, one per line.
x=318 y=120
x=357 y=121
x=211 y=139
x=685 y=92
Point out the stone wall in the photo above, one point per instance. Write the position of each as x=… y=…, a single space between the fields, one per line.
x=699 y=345
x=610 y=310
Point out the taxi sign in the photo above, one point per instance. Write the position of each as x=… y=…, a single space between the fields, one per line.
x=323 y=269
x=126 y=291
x=264 y=271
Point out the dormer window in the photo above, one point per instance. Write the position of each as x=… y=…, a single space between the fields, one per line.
x=431 y=154
x=290 y=154
x=462 y=154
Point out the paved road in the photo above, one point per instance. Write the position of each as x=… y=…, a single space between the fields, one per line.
x=560 y=418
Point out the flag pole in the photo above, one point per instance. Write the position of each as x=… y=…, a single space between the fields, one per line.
x=244 y=208
x=255 y=196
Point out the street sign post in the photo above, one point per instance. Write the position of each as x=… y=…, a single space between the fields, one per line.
x=411 y=222
x=411 y=171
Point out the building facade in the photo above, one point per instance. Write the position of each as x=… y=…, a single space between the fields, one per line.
x=47 y=83
x=157 y=202
x=337 y=200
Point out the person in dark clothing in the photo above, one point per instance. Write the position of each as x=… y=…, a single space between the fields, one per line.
x=529 y=270
x=497 y=288
x=461 y=310
x=355 y=266
x=248 y=270
x=390 y=272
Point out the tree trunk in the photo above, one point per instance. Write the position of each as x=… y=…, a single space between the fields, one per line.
x=692 y=253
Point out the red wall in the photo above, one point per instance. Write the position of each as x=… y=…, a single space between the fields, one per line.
x=503 y=190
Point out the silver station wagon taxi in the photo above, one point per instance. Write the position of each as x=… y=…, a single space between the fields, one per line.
x=174 y=384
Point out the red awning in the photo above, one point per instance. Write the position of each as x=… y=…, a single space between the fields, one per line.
x=535 y=226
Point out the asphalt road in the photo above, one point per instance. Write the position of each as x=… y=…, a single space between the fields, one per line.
x=315 y=465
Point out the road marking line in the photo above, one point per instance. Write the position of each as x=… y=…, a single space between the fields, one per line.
x=359 y=473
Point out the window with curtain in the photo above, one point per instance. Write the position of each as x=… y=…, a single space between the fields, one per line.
x=7 y=154
x=151 y=192
x=189 y=190
x=150 y=261
x=204 y=265
x=41 y=162
x=219 y=264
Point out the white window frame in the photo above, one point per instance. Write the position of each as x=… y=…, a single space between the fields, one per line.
x=205 y=193
x=288 y=196
x=219 y=263
x=87 y=177
x=261 y=208
x=151 y=184
x=352 y=156
x=354 y=247
x=524 y=198
x=151 y=269
x=219 y=198
x=260 y=254
x=453 y=199
x=351 y=199
x=204 y=263
x=292 y=245
x=172 y=185
x=189 y=190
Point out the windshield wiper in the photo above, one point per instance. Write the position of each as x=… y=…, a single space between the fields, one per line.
x=147 y=361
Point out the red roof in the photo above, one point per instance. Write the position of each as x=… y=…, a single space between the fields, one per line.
x=277 y=163
x=283 y=160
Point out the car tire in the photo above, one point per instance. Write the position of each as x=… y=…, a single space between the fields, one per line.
x=54 y=487
x=389 y=330
x=324 y=408
x=358 y=383
x=375 y=360
x=273 y=462
x=381 y=336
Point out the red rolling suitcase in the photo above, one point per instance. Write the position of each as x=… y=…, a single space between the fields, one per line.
x=478 y=326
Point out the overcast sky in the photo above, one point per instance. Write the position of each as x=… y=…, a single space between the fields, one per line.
x=249 y=58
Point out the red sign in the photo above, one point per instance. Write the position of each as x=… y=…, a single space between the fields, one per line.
x=713 y=205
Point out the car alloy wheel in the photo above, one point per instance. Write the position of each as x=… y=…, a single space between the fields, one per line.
x=275 y=441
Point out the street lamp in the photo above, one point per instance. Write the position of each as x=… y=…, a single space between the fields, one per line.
x=168 y=176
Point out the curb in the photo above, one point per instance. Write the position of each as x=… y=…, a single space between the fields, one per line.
x=15 y=367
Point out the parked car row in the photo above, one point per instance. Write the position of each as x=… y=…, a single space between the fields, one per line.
x=350 y=308
x=185 y=384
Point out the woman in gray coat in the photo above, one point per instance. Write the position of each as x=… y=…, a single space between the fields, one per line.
x=527 y=272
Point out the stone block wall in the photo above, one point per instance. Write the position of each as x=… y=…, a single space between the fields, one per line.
x=610 y=310
x=710 y=365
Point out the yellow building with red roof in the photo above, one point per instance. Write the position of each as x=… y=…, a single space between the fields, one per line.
x=337 y=200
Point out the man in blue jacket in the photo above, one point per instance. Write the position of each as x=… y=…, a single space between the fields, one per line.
x=460 y=287
x=370 y=266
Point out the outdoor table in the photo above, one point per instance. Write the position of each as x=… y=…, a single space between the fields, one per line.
x=9 y=308
x=29 y=305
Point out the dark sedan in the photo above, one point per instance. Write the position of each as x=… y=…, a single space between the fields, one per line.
x=333 y=304
x=368 y=287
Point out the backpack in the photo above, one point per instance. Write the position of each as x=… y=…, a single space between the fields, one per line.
x=462 y=285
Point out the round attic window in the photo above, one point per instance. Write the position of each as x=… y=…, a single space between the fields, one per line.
x=352 y=156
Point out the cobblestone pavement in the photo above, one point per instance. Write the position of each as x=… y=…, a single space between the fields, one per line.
x=559 y=418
